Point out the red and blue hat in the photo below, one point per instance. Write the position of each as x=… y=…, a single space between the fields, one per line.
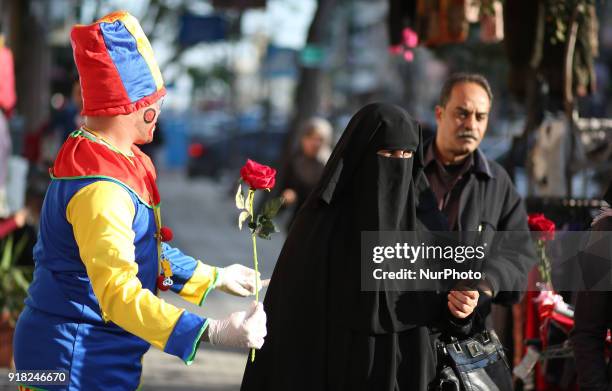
x=117 y=69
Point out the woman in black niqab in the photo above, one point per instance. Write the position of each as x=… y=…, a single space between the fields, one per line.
x=324 y=332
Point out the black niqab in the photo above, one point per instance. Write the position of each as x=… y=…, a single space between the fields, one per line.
x=324 y=333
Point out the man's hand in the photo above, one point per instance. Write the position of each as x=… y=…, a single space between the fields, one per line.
x=244 y=329
x=461 y=303
x=21 y=217
x=603 y=213
x=239 y=280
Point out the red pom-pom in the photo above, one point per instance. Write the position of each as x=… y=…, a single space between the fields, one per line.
x=160 y=283
x=166 y=234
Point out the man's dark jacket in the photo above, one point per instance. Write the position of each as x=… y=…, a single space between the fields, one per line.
x=488 y=203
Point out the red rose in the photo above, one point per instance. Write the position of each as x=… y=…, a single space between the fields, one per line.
x=257 y=175
x=537 y=222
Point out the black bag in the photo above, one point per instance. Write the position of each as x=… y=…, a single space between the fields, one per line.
x=477 y=363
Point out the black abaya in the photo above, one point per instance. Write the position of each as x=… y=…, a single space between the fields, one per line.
x=324 y=333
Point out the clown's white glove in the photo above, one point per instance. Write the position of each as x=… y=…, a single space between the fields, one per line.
x=244 y=329
x=238 y=280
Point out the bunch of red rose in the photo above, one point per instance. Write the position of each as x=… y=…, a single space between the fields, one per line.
x=546 y=228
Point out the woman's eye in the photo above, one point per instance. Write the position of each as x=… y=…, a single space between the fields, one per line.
x=396 y=153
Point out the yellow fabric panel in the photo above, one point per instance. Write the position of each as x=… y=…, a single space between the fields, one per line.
x=200 y=283
x=144 y=47
x=113 y=16
x=101 y=215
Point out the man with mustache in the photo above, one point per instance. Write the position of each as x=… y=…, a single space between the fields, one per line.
x=461 y=190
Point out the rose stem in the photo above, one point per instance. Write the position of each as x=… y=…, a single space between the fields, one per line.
x=254 y=238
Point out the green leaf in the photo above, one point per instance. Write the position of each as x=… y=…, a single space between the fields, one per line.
x=239 y=197
x=242 y=218
x=272 y=207
x=7 y=253
x=266 y=232
x=265 y=227
x=20 y=246
x=20 y=280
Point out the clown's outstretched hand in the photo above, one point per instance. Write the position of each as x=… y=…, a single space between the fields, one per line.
x=239 y=280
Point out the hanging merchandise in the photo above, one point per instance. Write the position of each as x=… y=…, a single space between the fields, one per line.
x=566 y=45
x=545 y=316
x=402 y=39
x=8 y=98
x=520 y=21
x=538 y=37
x=491 y=21
x=401 y=13
x=549 y=156
x=405 y=48
x=472 y=11
x=442 y=22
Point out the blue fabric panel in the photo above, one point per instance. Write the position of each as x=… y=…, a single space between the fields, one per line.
x=184 y=337
x=183 y=266
x=132 y=67
x=45 y=341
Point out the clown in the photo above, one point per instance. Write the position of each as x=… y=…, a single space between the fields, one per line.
x=101 y=256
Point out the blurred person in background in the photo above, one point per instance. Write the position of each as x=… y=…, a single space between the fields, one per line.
x=8 y=99
x=42 y=144
x=37 y=183
x=8 y=222
x=63 y=121
x=13 y=222
x=593 y=311
x=304 y=169
x=101 y=258
x=68 y=117
x=5 y=152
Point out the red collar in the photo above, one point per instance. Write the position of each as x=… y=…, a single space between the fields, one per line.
x=83 y=156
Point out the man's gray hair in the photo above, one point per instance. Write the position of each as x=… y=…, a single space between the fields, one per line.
x=458 y=78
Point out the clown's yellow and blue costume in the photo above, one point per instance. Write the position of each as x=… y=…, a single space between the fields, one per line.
x=93 y=308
